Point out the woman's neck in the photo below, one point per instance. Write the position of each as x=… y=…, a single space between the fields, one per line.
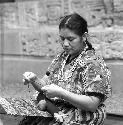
x=72 y=56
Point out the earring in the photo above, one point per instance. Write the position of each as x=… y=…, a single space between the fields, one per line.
x=87 y=36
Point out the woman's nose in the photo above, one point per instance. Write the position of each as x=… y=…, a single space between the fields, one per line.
x=66 y=42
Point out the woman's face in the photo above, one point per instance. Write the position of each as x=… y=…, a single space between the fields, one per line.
x=71 y=42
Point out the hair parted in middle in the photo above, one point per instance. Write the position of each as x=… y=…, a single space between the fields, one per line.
x=77 y=24
x=74 y=22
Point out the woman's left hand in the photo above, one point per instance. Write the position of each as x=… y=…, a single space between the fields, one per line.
x=52 y=90
x=29 y=77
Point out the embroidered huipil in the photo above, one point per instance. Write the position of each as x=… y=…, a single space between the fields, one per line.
x=85 y=75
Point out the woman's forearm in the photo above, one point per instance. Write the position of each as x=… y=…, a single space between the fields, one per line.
x=89 y=103
x=37 y=85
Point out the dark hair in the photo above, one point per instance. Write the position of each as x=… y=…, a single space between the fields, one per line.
x=76 y=23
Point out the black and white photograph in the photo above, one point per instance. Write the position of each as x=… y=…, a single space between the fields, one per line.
x=61 y=62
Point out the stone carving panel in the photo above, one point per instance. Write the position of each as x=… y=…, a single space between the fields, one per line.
x=1 y=11
x=42 y=12
x=91 y=10
x=110 y=43
x=10 y=15
x=53 y=43
x=55 y=11
x=66 y=6
x=28 y=14
x=30 y=43
x=109 y=6
x=118 y=12
x=118 y=18
x=95 y=4
x=39 y=43
x=78 y=6
x=95 y=17
x=118 y=5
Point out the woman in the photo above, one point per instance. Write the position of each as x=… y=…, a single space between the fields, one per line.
x=78 y=81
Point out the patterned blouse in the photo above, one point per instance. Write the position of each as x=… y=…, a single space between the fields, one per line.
x=88 y=75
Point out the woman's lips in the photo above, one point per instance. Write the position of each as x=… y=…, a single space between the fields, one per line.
x=67 y=50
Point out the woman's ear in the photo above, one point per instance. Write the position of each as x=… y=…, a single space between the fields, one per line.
x=84 y=37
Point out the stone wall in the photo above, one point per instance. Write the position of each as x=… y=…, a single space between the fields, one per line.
x=35 y=23
x=29 y=40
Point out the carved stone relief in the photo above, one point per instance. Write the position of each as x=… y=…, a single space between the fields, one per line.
x=109 y=43
x=28 y=14
x=10 y=15
x=42 y=12
x=54 y=10
x=39 y=43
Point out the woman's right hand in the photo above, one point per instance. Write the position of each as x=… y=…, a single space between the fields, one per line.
x=29 y=77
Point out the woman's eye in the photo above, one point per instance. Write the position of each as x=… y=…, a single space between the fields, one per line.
x=62 y=38
x=70 y=39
